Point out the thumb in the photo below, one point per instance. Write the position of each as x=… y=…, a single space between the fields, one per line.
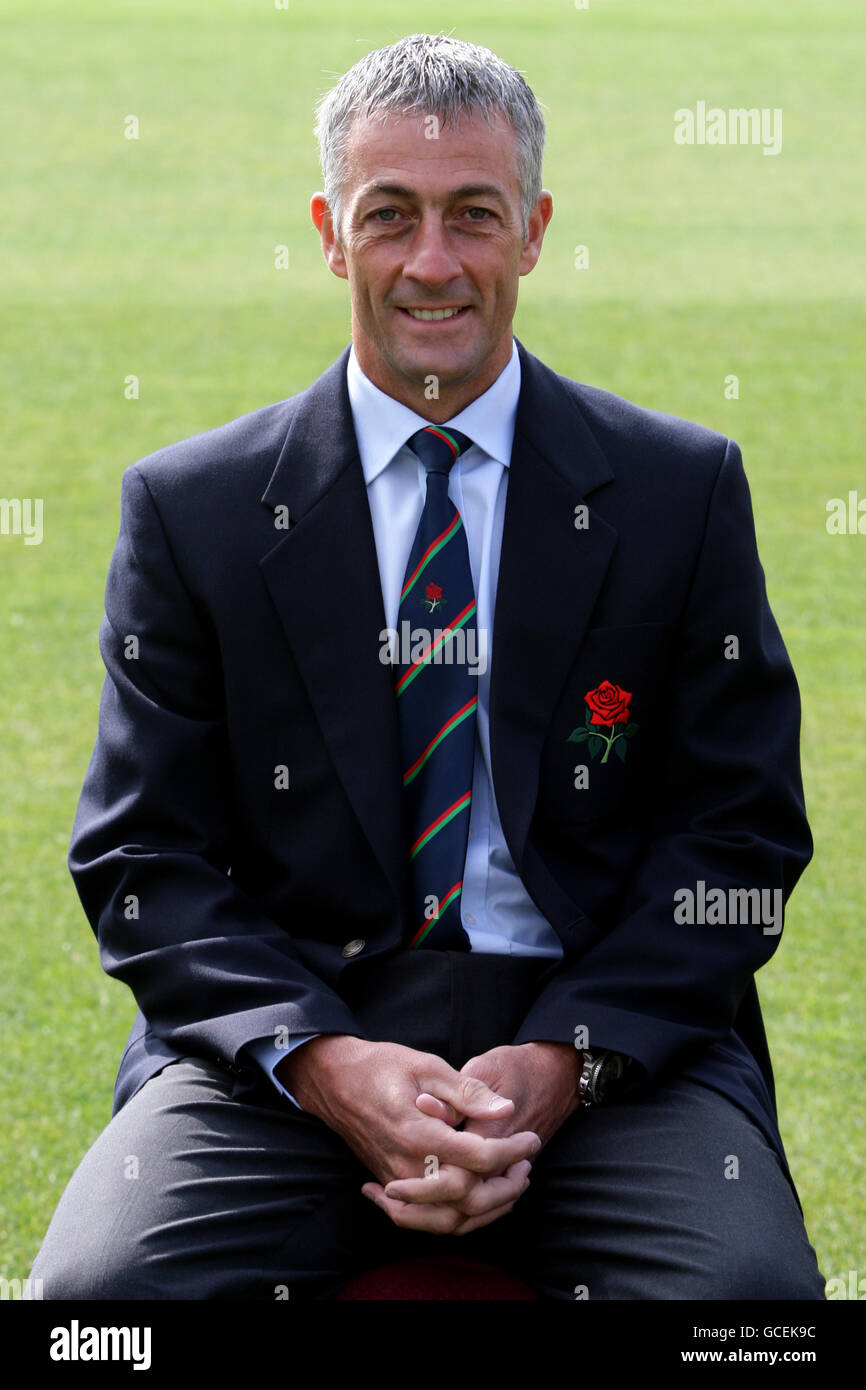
x=467 y=1095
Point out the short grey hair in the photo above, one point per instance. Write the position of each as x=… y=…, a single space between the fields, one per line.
x=433 y=74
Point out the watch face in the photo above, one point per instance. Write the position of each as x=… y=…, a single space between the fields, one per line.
x=608 y=1074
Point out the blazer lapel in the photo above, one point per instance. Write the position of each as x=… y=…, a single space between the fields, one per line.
x=550 y=574
x=323 y=577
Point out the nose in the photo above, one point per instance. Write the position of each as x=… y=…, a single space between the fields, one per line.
x=430 y=257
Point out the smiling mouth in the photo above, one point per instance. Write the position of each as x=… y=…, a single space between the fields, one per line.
x=435 y=315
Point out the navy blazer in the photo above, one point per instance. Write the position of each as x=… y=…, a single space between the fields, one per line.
x=242 y=637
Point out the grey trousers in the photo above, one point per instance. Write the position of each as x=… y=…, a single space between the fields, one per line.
x=194 y=1191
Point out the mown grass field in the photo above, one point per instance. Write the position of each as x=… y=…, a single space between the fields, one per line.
x=155 y=258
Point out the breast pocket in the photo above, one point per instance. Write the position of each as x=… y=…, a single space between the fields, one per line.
x=600 y=757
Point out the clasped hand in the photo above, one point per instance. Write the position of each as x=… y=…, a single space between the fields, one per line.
x=407 y=1114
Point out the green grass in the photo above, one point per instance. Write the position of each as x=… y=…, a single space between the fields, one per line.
x=155 y=258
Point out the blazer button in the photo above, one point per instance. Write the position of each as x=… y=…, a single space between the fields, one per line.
x=352 y=948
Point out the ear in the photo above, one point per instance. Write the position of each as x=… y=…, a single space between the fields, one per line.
x=538 y=220
x=324 y=224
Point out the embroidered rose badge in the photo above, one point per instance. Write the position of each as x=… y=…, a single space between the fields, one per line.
x=434 y=597
x=606 y=708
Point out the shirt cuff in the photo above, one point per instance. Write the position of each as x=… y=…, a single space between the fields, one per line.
x=268 y=1056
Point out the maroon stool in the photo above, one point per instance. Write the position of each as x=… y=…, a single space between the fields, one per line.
x=436 y=1276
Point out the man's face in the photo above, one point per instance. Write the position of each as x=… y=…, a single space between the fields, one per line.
x=432 y=225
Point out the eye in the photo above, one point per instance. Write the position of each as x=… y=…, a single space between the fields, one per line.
x=485 y=213
x=386 y=213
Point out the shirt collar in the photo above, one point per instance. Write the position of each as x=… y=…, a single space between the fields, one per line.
x=383 y=424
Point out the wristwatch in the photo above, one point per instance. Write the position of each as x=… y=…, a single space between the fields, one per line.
x=602 y=1071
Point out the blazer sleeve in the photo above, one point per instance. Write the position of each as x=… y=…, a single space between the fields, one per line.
x=729 y=813
x=151 y=846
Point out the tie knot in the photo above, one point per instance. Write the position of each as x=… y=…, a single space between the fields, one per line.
x=438 y=447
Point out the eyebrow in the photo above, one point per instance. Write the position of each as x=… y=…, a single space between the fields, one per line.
x=466 y=190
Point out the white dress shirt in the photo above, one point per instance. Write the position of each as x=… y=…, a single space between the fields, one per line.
x=497 y=913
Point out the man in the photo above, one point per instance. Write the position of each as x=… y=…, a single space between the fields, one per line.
x=446 y=791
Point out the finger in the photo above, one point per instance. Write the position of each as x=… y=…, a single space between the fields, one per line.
x=467 y=1094
x=429 y=1136
x=437 y=1109
x=438 y=1220
x=494 y=1194
x=482 y=1195
x=486 y=1220
x=481 y=1154
x=447 y=1185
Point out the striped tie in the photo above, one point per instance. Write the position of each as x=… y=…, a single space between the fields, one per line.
x=437 y=699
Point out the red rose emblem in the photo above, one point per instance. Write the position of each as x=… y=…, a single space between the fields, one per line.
x=433 y=591
x=606 y=707
x=609 y=704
